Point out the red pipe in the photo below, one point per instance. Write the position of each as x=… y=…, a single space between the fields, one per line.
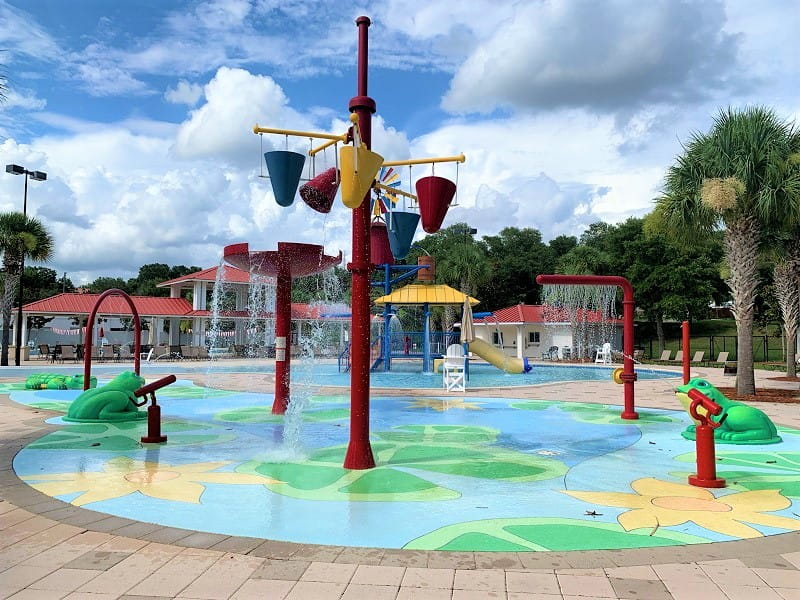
x=706 y=475
x=686 y=347
x=628 y=374
x=87 y=342
x=283 y=325
x=359 y=452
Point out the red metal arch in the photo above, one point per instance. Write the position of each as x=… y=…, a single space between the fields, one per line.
x=87 y=348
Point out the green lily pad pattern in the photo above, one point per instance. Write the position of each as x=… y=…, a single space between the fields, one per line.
x=599 y=414
x=120 y=437
x=787 y=480
x=541 y=534
x=55 y=406
x=464 y=451
x=191 y=391
x=262 y=414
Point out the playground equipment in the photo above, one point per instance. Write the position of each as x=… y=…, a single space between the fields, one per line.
x=628 y=375
x=359 y=166
x=290 y=261
x=154 y=410
x=706 y=475
x=498 y=358
x=738 y=423
x=137 y=334
x=57 y=381
x=113 y=402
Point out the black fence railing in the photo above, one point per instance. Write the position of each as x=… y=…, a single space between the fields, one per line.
x=765 y=348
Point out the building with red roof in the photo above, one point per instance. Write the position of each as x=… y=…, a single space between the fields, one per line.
x=182 y=318
x=531 y=330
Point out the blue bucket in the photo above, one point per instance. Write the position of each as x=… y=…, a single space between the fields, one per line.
x=284 y=170
x=401 y=227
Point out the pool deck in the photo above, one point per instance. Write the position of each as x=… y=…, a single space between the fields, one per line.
x=52 y=549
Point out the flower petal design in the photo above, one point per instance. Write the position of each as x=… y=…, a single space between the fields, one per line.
x=757 y=501
x=725 y=526
x=649 y=486
x=620 y=499
x=638 y=518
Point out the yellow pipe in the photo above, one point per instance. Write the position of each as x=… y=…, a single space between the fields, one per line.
x=395 y=191
x=327 y=144
x=424 y=161
x=306 y=134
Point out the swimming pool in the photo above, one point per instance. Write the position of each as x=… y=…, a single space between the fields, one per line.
x=454 y=473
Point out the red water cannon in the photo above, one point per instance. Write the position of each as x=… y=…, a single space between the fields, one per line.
x=704 y=440
x=154 y=410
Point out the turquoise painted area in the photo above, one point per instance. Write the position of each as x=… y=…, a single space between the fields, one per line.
x=454 y=473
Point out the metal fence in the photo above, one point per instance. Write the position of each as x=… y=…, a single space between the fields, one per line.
x=765 y=348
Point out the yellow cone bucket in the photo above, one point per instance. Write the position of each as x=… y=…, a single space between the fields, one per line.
x=358 y=168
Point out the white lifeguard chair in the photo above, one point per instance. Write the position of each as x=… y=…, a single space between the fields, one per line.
x=604 y=354
x=454 y=369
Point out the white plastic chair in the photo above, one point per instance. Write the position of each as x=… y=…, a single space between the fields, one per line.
x=454 y=369
x=604 y=354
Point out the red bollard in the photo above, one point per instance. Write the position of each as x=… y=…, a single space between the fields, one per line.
x=154 y=410
x=704 y=441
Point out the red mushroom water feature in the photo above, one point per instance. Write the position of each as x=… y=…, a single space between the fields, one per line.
x=289 y=261
x=628 y=376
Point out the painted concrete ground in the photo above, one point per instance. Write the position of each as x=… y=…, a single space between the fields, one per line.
x=454 y=473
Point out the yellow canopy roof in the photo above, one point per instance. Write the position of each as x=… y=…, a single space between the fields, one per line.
x=419 y=293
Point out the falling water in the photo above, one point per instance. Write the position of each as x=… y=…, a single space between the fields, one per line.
x=590 y=311
x=260 y=328
x=222 y=300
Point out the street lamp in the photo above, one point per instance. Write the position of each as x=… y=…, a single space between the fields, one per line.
x=36 y=176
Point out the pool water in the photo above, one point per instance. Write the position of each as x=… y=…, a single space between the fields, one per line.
x=454 y=473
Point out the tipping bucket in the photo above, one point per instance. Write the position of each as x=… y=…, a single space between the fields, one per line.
x=284 y=170
x=401 y=227
x=320 y=192
x=429 y=274
x=356 y=183
x=379 y=249
x=434 y=195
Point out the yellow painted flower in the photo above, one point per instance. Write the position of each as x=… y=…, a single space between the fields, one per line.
x=659 y=503
x=443 y=404
x=123 y=475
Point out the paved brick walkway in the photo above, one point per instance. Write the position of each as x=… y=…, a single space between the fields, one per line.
x=50 y=549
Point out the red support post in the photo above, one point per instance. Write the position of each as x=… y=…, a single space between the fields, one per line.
x=704 y=441
x=686 y=347
x=628 y=374
x=359 y=452
x=87 y=338
x=283 y=325
x=154 y=410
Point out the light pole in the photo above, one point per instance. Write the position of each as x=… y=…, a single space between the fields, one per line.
x=36 y=176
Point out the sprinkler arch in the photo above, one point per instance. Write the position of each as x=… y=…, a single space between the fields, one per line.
x=628 y=375
x=87 y=349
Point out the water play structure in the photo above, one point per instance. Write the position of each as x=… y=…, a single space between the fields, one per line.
x=289 y=261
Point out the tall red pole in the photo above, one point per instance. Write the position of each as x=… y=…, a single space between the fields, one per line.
x=628 y=374
x=686 y=347
x=359 y=451
x=283 y=324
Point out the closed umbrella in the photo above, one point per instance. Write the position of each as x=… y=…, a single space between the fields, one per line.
x=467 y=331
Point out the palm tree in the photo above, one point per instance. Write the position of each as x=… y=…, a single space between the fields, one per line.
x=463 y=266
x=742 y=176
x=21 y=238
x=786 y=277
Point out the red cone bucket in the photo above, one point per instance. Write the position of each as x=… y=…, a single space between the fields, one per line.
x=284 y=170
x=379 y=249
x=434 y=195
x=401 y=228
x=320 y=192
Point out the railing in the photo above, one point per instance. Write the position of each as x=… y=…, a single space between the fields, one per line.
x=344 y=359
x=410 y=343
x=765 y=348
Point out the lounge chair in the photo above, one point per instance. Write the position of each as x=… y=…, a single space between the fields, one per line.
x=665 y=356
x=551 y=353
x=678 y=356
x=698 y=357
x=722 y=357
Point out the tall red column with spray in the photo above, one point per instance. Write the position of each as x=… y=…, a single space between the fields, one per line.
x=283 y=345
x=359 y=451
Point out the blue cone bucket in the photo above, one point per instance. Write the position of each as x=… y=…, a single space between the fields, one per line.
x=401 y=229
x=284 y=170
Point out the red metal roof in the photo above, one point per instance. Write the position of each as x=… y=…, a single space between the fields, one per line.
x=71 y=304
x=536 y=313
x=229 y=275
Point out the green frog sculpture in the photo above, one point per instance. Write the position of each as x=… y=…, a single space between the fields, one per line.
x=56 y=381
x=112 y=402
x=739 y=423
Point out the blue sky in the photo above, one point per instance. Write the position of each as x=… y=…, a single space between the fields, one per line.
x=569 y=111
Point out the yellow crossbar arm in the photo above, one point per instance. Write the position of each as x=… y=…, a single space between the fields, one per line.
x=424 y=161
x=305 y=134
x=327 y=144
x=392 y=190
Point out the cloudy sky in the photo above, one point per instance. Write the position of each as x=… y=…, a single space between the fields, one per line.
x=568 y=111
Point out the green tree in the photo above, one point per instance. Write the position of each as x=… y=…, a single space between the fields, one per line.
x=41 y=282
x=786 y=281
x=101 y=284
x=740 y=176
x=21 y=238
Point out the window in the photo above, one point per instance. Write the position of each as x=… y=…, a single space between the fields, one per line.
x=533 y=337
x=496 y=339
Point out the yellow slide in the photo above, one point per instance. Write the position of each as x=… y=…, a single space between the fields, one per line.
x=499 y=359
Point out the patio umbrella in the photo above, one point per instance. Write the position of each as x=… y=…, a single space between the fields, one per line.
x=467 y=327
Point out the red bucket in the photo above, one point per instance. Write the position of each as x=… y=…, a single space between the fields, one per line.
x=379 y=249
x=434 y=195
x=320 y=192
